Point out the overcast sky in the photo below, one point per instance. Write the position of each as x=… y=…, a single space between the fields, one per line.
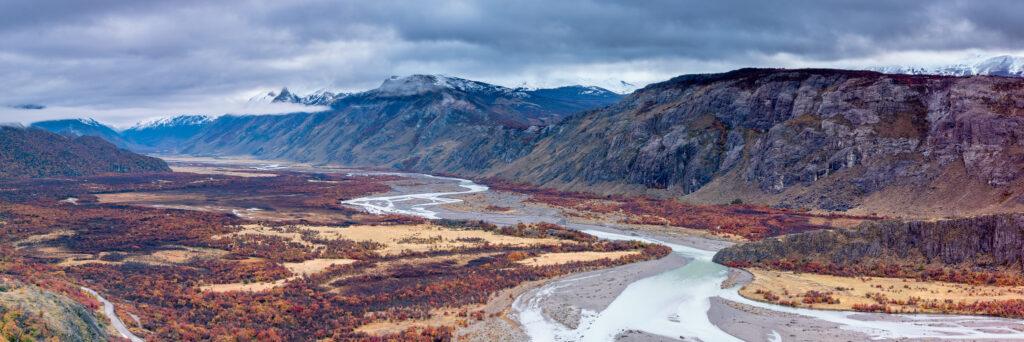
x=123 y=61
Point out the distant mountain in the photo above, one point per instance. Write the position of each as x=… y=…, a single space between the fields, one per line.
x=322 y=97
x=424 y=107
x=576 y=93
x=83 y=127
x=32 y=153
x=415 y=122
x=166 y=134
x=1010 y=66
x=609 y=84
x=572 y=98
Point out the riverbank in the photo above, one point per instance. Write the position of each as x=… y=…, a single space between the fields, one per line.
x=684 y=302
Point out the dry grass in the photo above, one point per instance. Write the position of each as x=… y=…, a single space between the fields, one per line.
x=310 y=267
x=211 y=170
x=250 y=287
x=147 y=197
x=396 y=240
x=35 y=239
x=425 y=237
x=438 y=317
x=789 y=286
x=562 y=258
x=180 y=255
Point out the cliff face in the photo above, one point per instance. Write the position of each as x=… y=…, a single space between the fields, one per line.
x=995 y=240
x=801 y=138
x=31 y=153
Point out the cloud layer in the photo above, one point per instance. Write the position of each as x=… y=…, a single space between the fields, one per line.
x=110 y=58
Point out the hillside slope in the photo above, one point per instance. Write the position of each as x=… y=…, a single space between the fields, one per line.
x=166 y=134
x=84 y=127
x=31 y=313
x=828 y=139
x=421 y=122
x=32 y=153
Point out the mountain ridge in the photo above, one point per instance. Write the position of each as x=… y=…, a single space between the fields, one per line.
x=34 y=153
x=1005 y=65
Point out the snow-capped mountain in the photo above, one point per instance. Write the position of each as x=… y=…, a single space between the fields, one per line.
x=320 y=97
x=173 y=121
x=420 y=84
x=1006 y=65
x=166 y=133
x=613 y=85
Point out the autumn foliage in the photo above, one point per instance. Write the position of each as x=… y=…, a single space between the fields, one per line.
x=329 y=305
x=747 y=221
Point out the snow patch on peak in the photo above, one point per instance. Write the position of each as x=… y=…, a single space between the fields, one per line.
x=420 y=84
x=90 y=122
x=1005 y=65
x=263 y=97
x=320 y=97
x=173 y=121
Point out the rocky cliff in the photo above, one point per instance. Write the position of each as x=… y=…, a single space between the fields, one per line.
x=984 y=241
x=829 y=139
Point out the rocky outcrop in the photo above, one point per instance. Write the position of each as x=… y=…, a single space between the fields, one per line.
x=994 y=240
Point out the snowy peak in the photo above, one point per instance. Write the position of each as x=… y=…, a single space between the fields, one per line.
x=286 y=97
x=263 y=98
x=420 y=84
x=1006 y=65
x=616 y=86
x=320 y=97
x=175 y=121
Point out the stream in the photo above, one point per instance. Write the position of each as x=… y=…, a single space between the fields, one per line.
x=674 y=303
x=108 y=310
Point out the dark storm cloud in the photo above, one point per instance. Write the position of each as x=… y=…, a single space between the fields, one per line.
x=160 y=54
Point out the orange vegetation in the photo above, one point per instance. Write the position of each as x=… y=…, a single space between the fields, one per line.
x=747 y=221
x=311 y=300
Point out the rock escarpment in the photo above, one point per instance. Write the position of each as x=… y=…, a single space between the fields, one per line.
x=800 y=138
x=984 y=241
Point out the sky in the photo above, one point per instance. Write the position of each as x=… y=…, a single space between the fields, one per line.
x=126 y=61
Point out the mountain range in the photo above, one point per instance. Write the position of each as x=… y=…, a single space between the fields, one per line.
x=1006 y=65
x=325 y=96
x=811 y=138
x=419 y=99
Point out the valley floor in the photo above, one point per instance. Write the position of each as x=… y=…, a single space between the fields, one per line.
x=555 y=283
